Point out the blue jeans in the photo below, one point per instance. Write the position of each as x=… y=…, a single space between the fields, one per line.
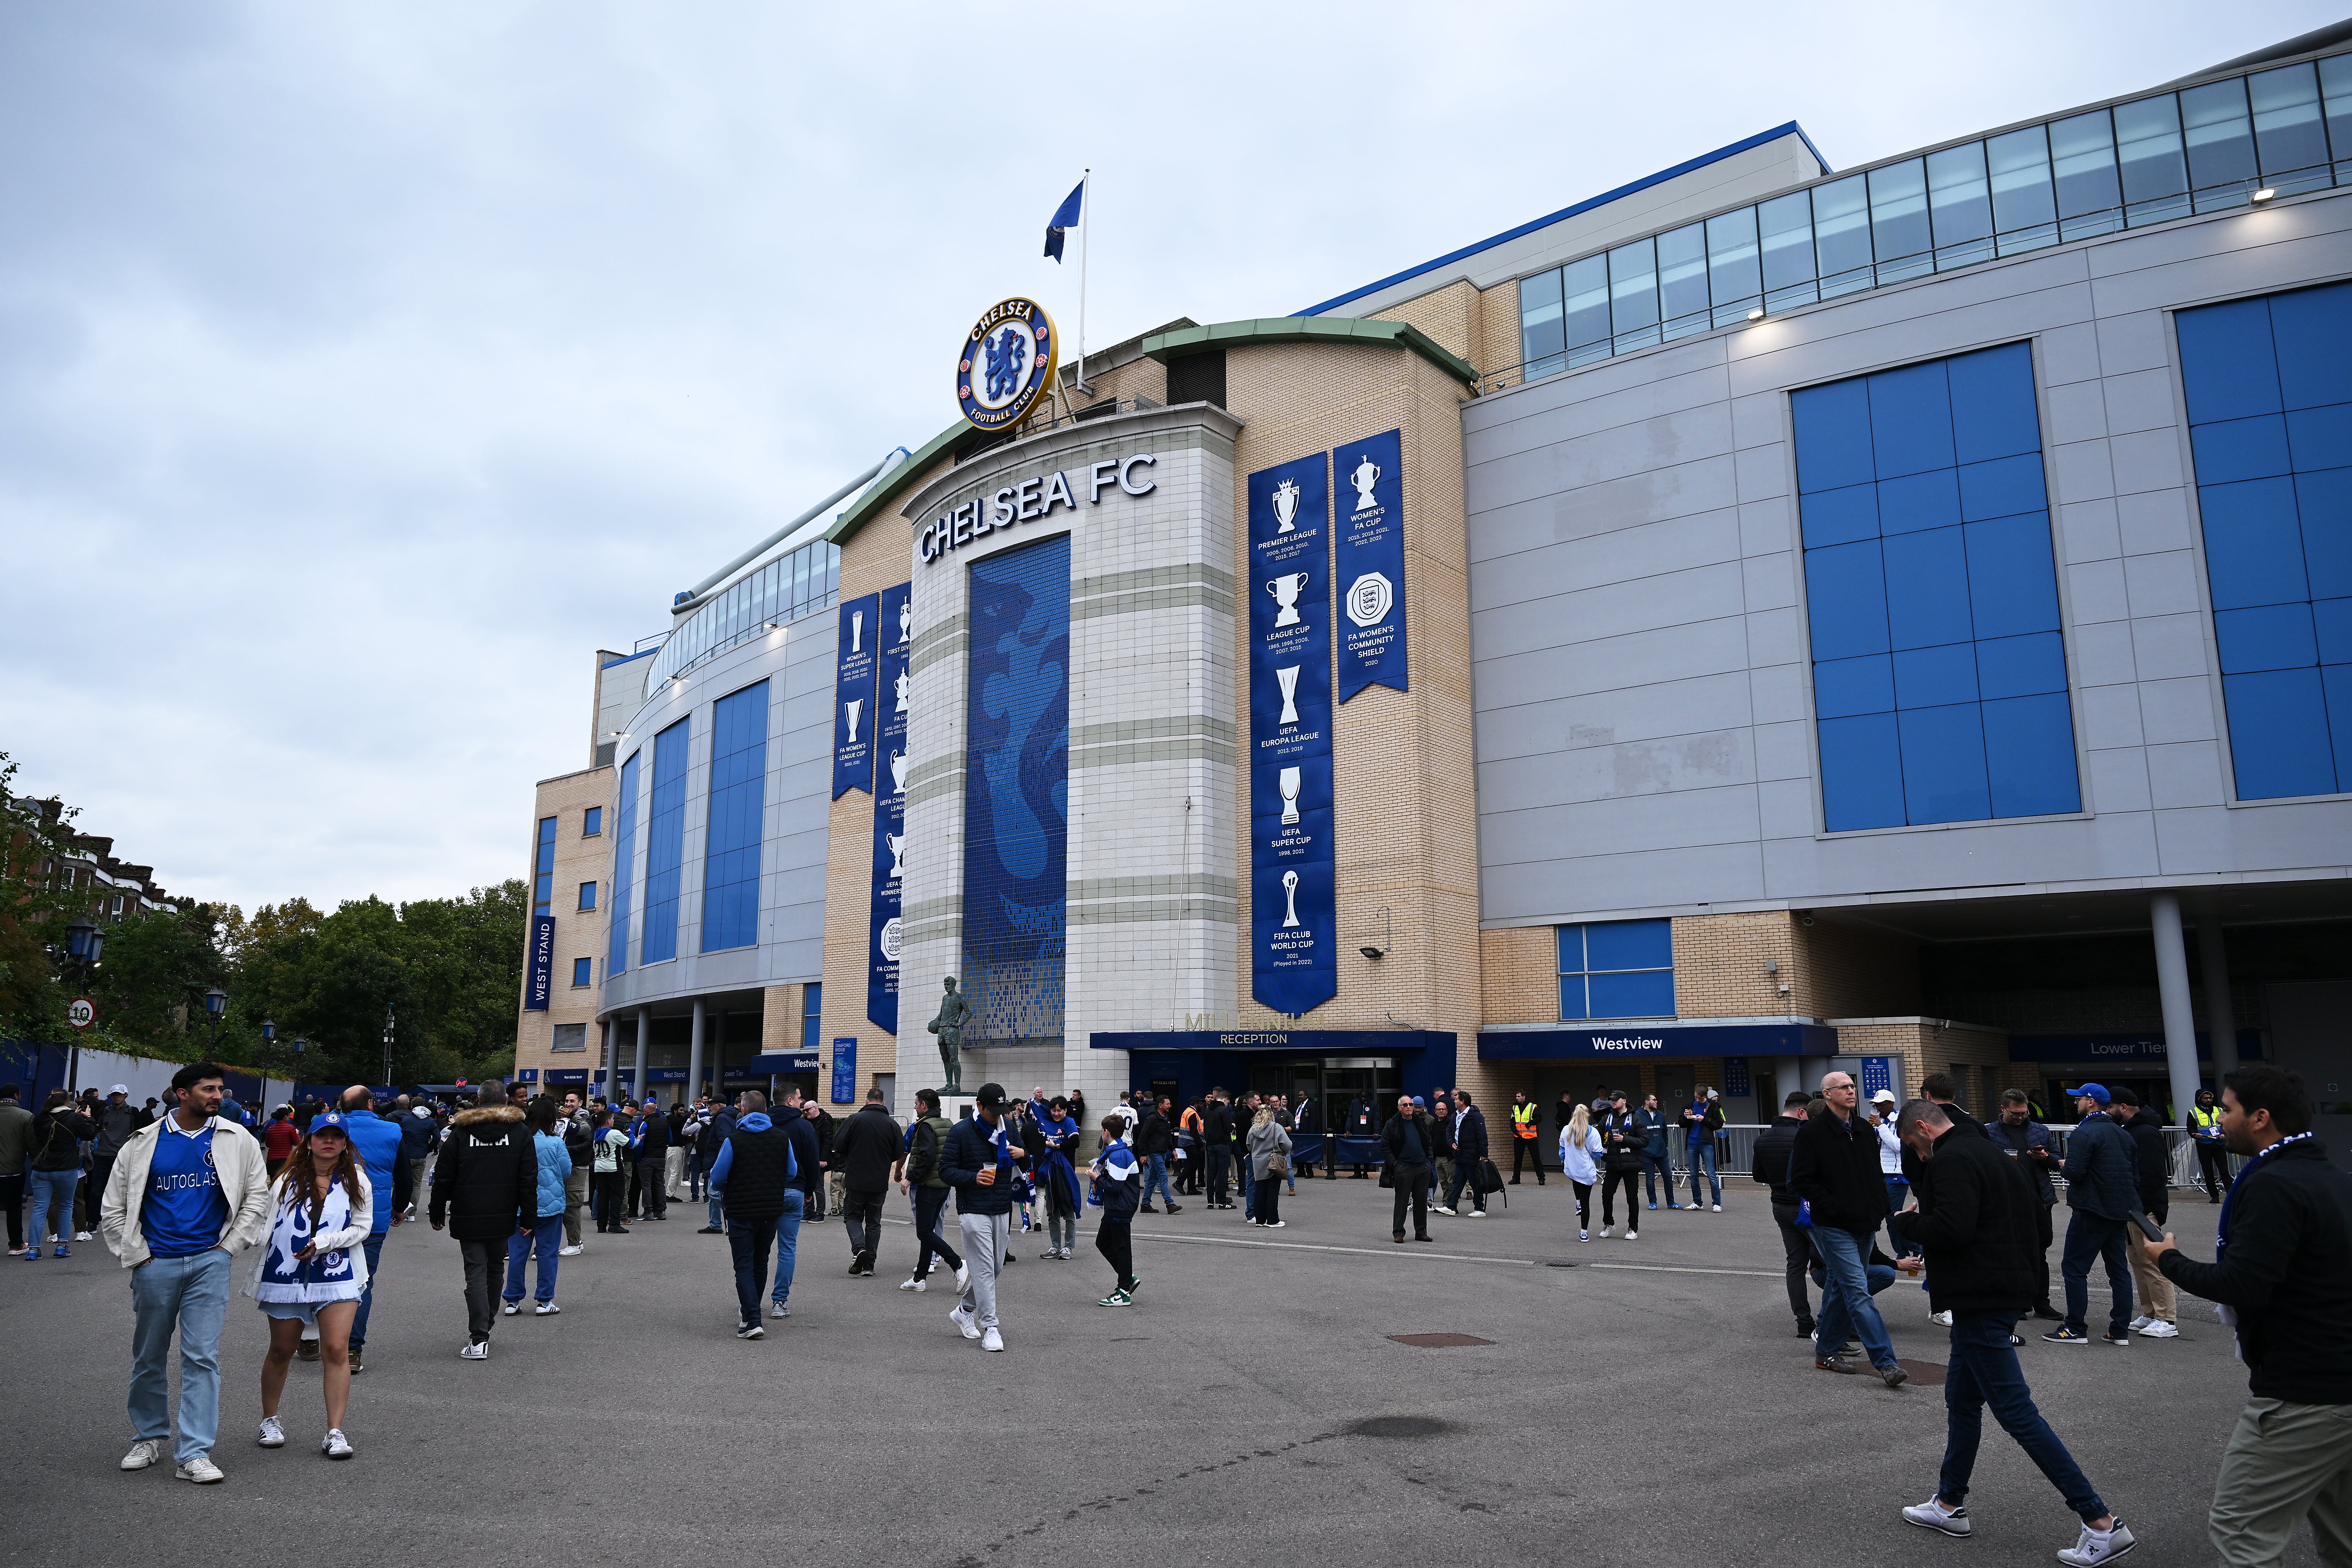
x=544 y=1238
x=1703 y=1154
x=1984 y=1370
x=787 y=1241
x=718 y=1217
x=190 y=1294
x=1155 y=1172
x=375 y=1249
x=1248 y=1186
x=2088 y=1236
x=1656 y=1169
x=52 y=1192
x=1846 y=1305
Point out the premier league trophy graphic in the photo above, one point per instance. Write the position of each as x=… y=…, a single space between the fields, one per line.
x=1366 y=475
x=1287 y=677
x=1290 y=895
x=1286 y=506
x=1289 y=797
x=1286 y=590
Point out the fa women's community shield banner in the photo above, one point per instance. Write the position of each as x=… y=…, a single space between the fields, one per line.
x=890 y=688
x=852 y=696
x=1294 y=925
x=1368 y=546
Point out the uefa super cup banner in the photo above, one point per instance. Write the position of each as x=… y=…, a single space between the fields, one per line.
x=1367 y=551
x=1294 y=928
x=852 y=696
x=895 y=607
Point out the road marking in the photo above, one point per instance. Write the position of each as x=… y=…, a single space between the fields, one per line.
x=1315 y=1246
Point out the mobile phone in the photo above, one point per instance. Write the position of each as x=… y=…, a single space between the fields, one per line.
x=2148 y=1228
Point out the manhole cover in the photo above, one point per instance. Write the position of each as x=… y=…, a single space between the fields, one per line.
x=1446 y=1342
x=1397 y=1426
x=1928 y=1374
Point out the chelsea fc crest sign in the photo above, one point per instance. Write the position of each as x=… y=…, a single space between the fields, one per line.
x=1006 y=364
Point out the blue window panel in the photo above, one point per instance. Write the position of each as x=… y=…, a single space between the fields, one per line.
x=587 y=895
x=1846 y=600
x=1571 y=949
x=811 y=1016
x=591 y=822
x=2236 y=450
x=2013 y=581
x=2336 y=681
x=2319 y=438
x=2226 y=361
x=2314 y=330
x=542 y=887
x=1926 y=589
x=1648 y=994
x=2029 y=744
x=2029 y=666
x=1992 y=404
x=2002 y=488
x=2332 y=620
x=583 y=971
x=624 y=847
x=2253 y=548
x=2274 y=636
x=1910 y=420
x=1629 y=945
x=1845 y=687
x=2278 y=734
x=1832 y=429
x=1840 y=516
x=2325 y=504
x=1944 y=764
x=1573 y=1005
x=1918 y=502
x=739 y=785
x=1862 y=774
x=1933 y=676
x=664 y=844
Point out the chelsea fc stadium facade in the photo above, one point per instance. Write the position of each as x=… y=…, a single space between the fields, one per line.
x=1759 y=617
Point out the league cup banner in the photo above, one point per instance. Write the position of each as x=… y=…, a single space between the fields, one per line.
x=1294 y=925
x=542 y=963
x=895 y=607
x=1369 y=547
x=852 y=695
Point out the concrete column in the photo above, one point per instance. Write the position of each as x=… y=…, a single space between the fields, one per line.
x=694 y=1054
x=1787 y=1073
x=612 y=1060
x=719 y=1057
x=646 y=1035
x=2172 y=987
x=2221 y=1019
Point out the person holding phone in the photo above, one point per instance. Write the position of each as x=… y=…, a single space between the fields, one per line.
x=312 y=1272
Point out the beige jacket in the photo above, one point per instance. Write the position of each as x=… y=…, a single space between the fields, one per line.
x=243 y=1177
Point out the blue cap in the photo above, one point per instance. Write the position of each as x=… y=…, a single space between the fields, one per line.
x=1418 y=1103
x=2097 y=1091
x=328 y=1118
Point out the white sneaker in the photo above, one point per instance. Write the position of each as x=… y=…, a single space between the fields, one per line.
x=1944 y=1318
x=964 y=1323
x=511 y=1308
x=204 y=1472
x=478 y=1351
x=916 y=1283
x=2141 y=1322
x=1632 y=1236
x=143 y=1453
x=991 y=1341
x=1276 y=1223
x=1584 y=1236
x=2158 y=1329
x=1441 y=1209
x=545 y=1310
x=2097 y=1546
x=1475 y=1214
x=82 y=1235
x=335 y=1445
x=1933 y=1515
x=573 y=1251
x=779 y=1309
x=272 y=1435
x=1718 y=1208
x=1605 y=1230
x=964 y=1276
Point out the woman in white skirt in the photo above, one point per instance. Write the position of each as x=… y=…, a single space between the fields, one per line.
x=312 y=1272
x=1579 y=1145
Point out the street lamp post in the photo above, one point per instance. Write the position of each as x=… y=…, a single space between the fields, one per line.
x=216 y=1000
x=387 y=1042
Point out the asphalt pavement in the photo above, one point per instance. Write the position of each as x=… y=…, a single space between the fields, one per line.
x=1651 y=1401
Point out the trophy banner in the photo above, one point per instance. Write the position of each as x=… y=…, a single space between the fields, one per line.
x=1368 y=549
x=852 y=696
x=1294 y=928
x=892 y=674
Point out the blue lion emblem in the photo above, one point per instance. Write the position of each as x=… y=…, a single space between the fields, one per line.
x=1006 y=352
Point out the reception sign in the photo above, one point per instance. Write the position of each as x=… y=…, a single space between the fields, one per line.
x=1294 y=926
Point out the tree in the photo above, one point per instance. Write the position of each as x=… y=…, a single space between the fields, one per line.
x=150 y=991
x=35 y=909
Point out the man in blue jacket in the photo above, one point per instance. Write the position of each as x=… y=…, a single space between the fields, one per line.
x=376 y=1144
x=2104 y=1194
x=1657 y=1161
x=979 y=1160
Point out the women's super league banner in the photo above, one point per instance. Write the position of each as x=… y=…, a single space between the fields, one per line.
x=1369 y=546
x=1294 y=926
x=852 y=696
x=891 y=675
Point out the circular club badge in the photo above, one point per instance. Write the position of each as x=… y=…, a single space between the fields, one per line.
x=1006 y=364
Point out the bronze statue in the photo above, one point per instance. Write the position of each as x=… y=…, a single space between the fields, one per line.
x=954 y=1008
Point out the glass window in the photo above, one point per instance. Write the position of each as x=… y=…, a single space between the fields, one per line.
x=1617 y=969
x=1898 y=221
x=1541 y=327
x=1785 y=227
x=624 y=836
x=591 y=822
x=1735 y=282
x=1633 y=295
x=811 y=1016
x=1584 y=301
x=2024 y=201
x=583 y=971
x=664 y=844
x=1960 y=201
x=543 y=867
x=2155 y=172
x=739 y=783
x=587 y=895
x=1862 y=774
x=2082 y=162
x=2288 y=130
x=2221 y=141
x=1842 y=235
x=2335 y=96
x=1681 y=281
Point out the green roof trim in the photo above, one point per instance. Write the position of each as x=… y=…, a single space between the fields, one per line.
x=950 y=442
x=1309 y=330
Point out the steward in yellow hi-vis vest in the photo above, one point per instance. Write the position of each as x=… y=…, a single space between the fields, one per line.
x=2212 y=1155
x=1525 y=1125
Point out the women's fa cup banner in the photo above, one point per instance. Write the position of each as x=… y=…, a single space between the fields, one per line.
x=1368 y=546
x=1294 y=923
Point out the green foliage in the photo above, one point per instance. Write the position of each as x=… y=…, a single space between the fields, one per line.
x=33 y=914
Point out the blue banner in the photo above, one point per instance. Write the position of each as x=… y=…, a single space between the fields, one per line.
x=1657 y=1040
x=1369 y=547
x=897 y=608
x=1294 y=923
x=542 y=968
x=845 y=1068
x=852 y=696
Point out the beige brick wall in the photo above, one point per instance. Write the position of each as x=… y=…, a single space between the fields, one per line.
x=1854 y=971
x=1519 y=972
x=1482 y=326
x=577 y=935
x=1932 y=1044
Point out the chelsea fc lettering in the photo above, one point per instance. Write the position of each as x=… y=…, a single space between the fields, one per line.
x=1035 y=499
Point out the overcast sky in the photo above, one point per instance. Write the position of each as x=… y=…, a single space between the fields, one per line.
x=364 y=368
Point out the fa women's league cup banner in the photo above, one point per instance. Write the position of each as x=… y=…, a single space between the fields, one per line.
x=1368 y=546
x=1294 y=925
x=852 y=695
x=892 y=682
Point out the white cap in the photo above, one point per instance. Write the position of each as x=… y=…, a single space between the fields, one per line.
x=1884 y=1097
x=123 y=1089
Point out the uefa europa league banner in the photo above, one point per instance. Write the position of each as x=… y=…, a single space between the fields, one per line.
x=852 y=696
x=1368 y=546
x=895 y=607
x=1294 y=925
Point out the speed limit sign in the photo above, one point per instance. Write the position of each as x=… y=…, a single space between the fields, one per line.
x=82 y=1012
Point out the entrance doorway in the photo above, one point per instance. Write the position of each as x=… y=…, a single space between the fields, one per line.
x=1674 y=1085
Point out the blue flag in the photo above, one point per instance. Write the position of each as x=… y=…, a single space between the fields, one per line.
x=1065 y=217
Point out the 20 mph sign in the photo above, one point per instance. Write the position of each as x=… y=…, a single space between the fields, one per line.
x=82 y=1012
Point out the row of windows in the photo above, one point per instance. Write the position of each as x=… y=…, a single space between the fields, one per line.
x=801 y=583
x=1617 y=969
x=730 y=882
x=2169 y=156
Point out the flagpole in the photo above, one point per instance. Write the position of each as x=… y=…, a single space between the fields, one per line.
x=1086 y=243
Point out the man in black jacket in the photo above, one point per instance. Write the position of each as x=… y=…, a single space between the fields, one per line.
x=1976 y=1223
x=707 y=1141
x=1409 y=1141
x=1835 y=1169
x=2159 y=1316
x=2030 y=1143
x=485 y=1189
x=1774 y=1146
x=1469 y=1148
x=653 y=1159
x=868 y=1151
x=978 y=1161
x=2283 y=1268
x=1216 y=1142
x=1155 y=1140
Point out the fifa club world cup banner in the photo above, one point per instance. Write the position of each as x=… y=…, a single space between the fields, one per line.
x=852 y=696
x=895 y=607
x=1368 y=547
x=1294 y=924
